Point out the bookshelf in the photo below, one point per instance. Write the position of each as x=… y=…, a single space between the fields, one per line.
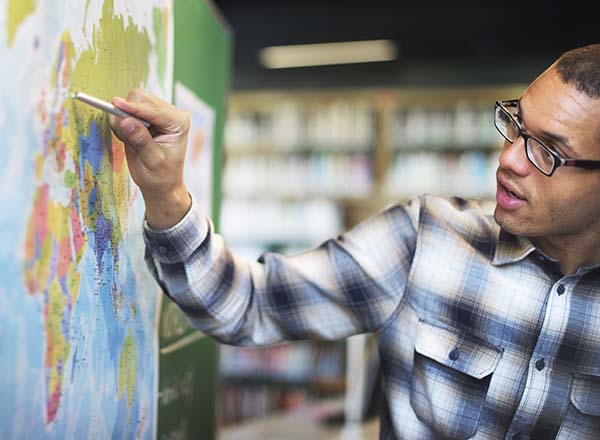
x=302 y=166
x=259 y=381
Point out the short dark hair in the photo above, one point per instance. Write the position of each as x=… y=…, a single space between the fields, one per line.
x=580 y=67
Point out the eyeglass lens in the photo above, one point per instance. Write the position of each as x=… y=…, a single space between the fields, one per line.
x=540 y=156
x=506 y=125
x=536 y=152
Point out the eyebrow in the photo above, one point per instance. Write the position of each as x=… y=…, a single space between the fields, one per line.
x=555 y=138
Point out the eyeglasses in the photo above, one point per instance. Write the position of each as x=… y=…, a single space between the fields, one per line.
x=542 y=157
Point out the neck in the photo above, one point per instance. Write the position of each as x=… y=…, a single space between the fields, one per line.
x=572 y=252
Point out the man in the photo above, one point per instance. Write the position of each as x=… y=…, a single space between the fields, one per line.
x=486 y=327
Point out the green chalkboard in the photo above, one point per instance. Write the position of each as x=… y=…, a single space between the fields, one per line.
x=187 y=360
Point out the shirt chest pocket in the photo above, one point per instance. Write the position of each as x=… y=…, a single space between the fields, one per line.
x=583 y=416
x=585 y=394
x=450 y=378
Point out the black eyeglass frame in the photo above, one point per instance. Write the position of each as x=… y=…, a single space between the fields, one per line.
x=558 y=160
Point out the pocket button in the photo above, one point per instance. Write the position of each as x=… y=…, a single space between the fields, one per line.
x=453 y=355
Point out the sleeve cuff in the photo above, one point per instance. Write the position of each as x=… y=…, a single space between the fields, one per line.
x=177 y=243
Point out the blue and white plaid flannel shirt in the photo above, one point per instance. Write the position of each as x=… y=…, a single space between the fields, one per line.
x=479 y=335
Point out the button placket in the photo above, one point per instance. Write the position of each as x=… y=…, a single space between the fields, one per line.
x=555 y=322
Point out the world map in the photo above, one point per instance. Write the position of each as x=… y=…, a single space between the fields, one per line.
x=78 y=308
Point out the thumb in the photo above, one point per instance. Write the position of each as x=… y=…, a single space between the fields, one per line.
x=133 y=133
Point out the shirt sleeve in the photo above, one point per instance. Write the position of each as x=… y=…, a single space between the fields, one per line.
x=347 y=285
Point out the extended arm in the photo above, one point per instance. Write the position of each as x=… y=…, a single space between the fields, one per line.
x=348 y=285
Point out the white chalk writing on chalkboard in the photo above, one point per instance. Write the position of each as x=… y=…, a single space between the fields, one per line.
x=177 y=388
x=178 y=433
x=174 y=324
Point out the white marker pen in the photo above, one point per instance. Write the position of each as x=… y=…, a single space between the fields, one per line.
x=106 y=106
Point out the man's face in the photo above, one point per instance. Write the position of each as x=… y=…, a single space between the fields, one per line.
x=568 y=202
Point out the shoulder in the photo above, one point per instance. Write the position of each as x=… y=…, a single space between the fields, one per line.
x=454 y=209
x=456 y=219
x=430 y=209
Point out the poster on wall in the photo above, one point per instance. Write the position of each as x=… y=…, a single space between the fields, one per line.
x=78 y=308
x=199 y=161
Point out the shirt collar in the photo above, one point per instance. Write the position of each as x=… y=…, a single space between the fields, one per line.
x=511 y=248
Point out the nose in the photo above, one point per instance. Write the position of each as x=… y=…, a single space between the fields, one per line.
x=513 y=157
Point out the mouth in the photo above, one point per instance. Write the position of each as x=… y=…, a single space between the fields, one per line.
x=512 y=194
x=508 y=196
x=509 y=187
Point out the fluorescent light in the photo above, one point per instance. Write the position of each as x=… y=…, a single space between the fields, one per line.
x=302 y=55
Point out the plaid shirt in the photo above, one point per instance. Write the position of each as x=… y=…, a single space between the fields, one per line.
x=479 y=334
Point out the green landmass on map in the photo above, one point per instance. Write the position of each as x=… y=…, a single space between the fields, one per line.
x=16 y=13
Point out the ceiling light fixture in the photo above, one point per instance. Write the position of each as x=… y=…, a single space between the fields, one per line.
x=323 y=54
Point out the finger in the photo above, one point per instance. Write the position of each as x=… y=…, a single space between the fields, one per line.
x=133 y=133
x=157 y=112
x=114 y=126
